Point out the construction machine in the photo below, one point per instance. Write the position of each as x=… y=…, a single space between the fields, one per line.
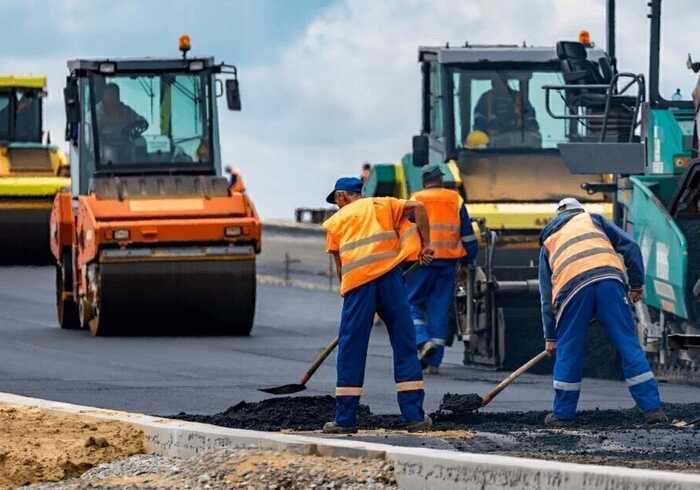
x=485 y=120
x=657 y=193
x=151 y=236
x=31 y=171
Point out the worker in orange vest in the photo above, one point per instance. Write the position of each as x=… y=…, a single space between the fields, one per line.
x=431 y=288
x=588 y=268
x=370 y=238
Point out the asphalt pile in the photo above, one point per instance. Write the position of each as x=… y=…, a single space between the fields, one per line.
x=296 y=413
x=614 y=437
x=457 y=411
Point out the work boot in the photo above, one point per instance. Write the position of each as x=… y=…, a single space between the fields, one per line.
x=552 y=420
x=421 y=426
x=333 y=428
x=426 y=349
x=431 y=370
x=656 y=417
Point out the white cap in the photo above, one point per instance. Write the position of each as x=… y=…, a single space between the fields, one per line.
x=567 y=204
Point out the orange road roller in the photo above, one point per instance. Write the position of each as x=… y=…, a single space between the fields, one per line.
x=151 y=237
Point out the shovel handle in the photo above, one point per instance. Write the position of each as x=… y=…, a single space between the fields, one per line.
x=319 y=360
x=513 y=376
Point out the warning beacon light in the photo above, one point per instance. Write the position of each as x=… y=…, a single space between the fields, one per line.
x=584 y=37
x=185 y=44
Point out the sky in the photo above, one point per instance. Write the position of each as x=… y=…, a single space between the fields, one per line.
x=326 y=84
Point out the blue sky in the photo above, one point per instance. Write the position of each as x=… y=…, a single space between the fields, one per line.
x=326 y=84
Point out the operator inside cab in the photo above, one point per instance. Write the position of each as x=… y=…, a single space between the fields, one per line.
x=505 y=117
x=115 y=118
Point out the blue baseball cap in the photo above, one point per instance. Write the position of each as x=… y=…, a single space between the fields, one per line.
x=349 y=184
x=432 y=172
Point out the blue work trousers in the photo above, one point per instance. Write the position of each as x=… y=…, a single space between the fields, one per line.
x=385 y=295
x=607 y=301
x=430 y=293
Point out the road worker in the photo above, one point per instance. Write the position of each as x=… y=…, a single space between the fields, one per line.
x=370 y=238
x=366 y=169
x=582 y=276
x=431 y=288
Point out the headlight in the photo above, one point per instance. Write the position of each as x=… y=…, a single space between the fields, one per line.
x=232 y=231
x=196 y=65
x=120 y=234
x=108 y=67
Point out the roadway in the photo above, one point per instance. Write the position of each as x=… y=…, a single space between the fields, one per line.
x=166 y=375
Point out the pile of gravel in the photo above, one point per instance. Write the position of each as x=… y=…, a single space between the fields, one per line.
x=235 y=468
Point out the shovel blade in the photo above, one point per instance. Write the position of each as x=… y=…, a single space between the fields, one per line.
x=284 y=389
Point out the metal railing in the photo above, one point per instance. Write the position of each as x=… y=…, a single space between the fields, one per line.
x=611 y=92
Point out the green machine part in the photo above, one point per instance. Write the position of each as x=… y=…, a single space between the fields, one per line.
x=663 y=244
x=402 y=179
x=646 y=198
x=669 y=136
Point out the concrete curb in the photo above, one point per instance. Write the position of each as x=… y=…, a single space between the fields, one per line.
x=292 y=228
x=415 y=468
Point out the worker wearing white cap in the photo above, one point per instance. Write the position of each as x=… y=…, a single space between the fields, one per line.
x=582 y=276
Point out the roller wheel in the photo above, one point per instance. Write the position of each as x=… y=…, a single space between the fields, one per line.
x=66 y=307
x=98 y=325
x=241 y=322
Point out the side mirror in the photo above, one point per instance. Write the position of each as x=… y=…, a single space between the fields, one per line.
x=420 y=150
x=233 y=95
x=71 y=99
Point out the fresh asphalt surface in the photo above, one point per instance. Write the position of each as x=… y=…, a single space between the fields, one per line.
x=166 y=375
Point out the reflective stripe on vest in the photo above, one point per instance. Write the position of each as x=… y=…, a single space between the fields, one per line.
x=577 y=247
x=443 y=208
x=369 y=243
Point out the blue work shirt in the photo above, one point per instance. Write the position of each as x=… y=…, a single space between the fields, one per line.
x=620 y=241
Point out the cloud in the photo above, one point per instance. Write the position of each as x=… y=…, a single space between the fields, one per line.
x=347 y=90
x=340 y=89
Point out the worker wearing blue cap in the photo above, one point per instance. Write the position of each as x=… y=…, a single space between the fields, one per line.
x=589 y=267
x=431 y=288
x=370 y=238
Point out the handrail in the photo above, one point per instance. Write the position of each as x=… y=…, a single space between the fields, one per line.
x=611 y=91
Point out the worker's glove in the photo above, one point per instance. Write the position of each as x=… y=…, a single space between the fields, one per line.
x=635 y=294
x=550 y=346
x=426 y=256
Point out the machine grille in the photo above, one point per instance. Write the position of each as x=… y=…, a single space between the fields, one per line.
x=30 y=160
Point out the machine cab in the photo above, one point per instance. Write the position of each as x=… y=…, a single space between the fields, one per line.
x=135 y=117
x=21 y=109
x=484 y=107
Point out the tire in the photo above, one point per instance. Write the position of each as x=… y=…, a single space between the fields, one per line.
x=98 y=325
x=66 y=307
x=241 y=324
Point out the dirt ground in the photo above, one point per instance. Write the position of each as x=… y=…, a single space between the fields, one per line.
x=38 y=445
x=611 y=437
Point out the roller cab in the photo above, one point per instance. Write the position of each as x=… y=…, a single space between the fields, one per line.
x=32 y=171
x=151 y=238
x=486 y=120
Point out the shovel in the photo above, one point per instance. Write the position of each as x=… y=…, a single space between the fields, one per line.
x=301 y=385
x=479 y=402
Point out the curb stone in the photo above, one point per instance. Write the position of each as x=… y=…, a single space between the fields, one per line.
x=415 y=468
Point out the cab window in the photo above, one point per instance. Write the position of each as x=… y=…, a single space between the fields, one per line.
x=504 y=109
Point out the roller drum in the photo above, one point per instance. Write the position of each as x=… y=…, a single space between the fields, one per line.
x=24 y=235
x=175 y=296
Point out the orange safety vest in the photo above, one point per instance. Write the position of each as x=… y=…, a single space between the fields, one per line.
x=371 y=242
x=577 y=247
x=443 y=206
